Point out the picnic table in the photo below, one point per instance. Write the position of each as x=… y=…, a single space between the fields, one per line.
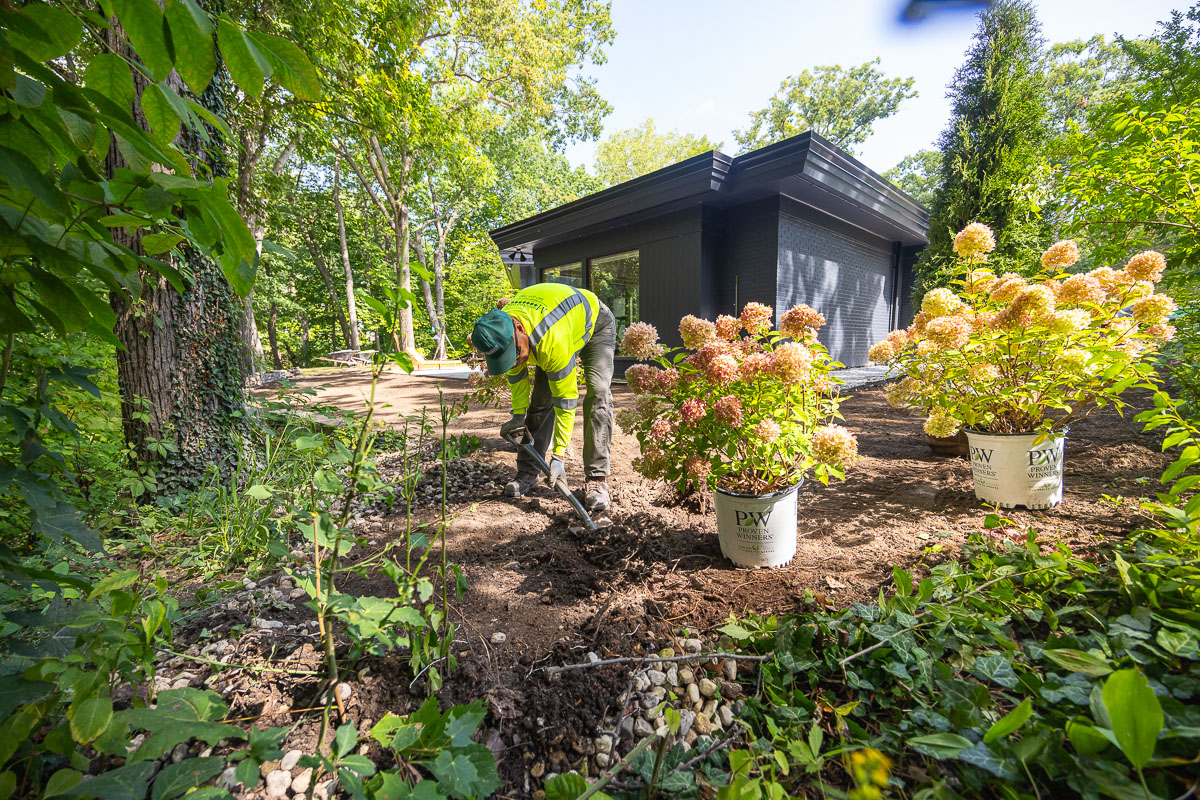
x=349 y=358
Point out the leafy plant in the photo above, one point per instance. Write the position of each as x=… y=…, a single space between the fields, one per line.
x=743 y=412
x=1010 y=356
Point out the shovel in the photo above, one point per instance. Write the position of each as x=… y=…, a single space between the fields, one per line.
x=527 y=445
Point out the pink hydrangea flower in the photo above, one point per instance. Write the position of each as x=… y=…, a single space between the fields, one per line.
x=641 y=341
x=767 y=430
x=729 y=410
x=652 y=463
x=974 y=242
x=834 y=445
x=692 y=411
x=799 y=320
x=667 y=380
x=1147 y=265
x=1080 y=290
x=642 y=378
x=1007 y=287
x=728 y=328
x=661 y=430
x=790 y=362
x=881 y=352
x=1061 y=255
x=948 y=332
x=756 y=318
x=757 y=366
x=697 y=468
x=696 y=332
x=1153 y=310
x=980 y=281
x=721 y=370
x=1108 y=277
x=1161 y=331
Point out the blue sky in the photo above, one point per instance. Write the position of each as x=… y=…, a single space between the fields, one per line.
x=702 y=66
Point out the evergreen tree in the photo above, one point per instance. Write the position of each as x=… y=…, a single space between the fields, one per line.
x=993 y=168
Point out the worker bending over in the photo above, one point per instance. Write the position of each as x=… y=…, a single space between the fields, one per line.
x=551 y=326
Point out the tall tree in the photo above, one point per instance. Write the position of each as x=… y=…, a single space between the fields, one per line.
x=840 y=104
x=1081 y=75
x=351 y=307
x=993 y=166
x=630 y=153
x=918 y=174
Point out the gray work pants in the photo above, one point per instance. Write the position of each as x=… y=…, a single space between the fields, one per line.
x=597 y=360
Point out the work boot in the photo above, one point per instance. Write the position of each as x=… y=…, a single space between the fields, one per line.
x=595 y=495
x=523 y=484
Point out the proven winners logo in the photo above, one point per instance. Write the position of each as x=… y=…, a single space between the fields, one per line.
x=752 y=525
x=1042 y=463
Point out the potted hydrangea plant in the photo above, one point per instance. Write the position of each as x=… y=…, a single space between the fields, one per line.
x=744 y=409
x=1015 y=361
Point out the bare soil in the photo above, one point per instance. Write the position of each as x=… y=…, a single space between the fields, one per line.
x=558 y=592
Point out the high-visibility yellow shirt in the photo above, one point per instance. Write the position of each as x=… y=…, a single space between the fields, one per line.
x=560 y=320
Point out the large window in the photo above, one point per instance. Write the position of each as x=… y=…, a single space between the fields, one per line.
x=570 y=274
x=614 y=279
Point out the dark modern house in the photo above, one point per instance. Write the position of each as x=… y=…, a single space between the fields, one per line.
x=799 y=221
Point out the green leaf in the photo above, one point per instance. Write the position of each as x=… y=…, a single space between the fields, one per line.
x=182 y=714
x=23 y=176
x=65 y=521
x=160 y=113
x=344 y=740
x=191 y=34
x=565 y=787
x=248 y=66
x=109 y=75
x=290 y=66
x=143 y=24
x=941 y=745
x=114 y=581
x=1078 y=661
x=996 y=669
x=456 y=773
x=123 y=783
x=1135 y=713
x=8 y=784
x=463 y=721
x=90 y=718
x=175 y=779
x=259 y=491
x=734 y=630
x=28 y=92
x=60 y=32
x=62 y=781
x=1009 y=722
x=156 y=243
x=1086 y=739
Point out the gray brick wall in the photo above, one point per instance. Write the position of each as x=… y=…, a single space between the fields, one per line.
x=848 y=281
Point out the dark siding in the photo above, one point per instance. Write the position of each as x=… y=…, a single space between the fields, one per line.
x=747 y=257
x=908 y=260
x=847 y=278
x=670 y=251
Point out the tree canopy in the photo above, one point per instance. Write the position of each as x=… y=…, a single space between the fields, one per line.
x=838 y=103
x=627 y=154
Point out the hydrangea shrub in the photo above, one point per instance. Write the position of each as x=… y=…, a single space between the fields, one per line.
x=740 y=406
x=1010 y=355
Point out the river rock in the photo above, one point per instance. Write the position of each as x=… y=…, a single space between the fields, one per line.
x=692 y=646
x=642 y=728
x=301 y=782
x=657 y=677
x=641 y=683
x=278 y=783
x=702 y=725
x=707 y=687
x=693 y=693
x=686 y=719
x=290 y=759
x=228 y=779
x=602 y=760
x=344 y=691
x=499 y=637
x=730 y=669
x=673 y=676
x=686 y=675
x=726 y=715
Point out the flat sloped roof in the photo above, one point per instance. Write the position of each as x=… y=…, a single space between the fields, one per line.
x=806 y=168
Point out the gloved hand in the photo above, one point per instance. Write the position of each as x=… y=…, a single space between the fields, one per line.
x=513 y=425
x=558 y=472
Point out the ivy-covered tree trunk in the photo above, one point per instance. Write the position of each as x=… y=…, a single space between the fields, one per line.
x=180 y=372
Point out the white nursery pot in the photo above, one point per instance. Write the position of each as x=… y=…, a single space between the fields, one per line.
x=1010 y=471
x=757 y=530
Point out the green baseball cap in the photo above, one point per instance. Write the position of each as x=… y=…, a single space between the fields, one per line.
x=494 y=337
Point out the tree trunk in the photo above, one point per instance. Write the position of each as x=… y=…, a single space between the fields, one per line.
x=407 y=342
x=439 y=268
x=273 y=336
x=323 y=268
x=180 y=372
x=351 y=307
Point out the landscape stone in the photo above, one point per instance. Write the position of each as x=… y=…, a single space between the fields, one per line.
x=707 y=687
x=278 y=782
x=301 y=782
x=730 y=667
x=290 y=759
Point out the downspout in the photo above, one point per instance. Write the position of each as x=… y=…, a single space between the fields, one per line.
x=896 y=251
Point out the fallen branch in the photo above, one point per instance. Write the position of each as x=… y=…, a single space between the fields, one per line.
x=605 y=662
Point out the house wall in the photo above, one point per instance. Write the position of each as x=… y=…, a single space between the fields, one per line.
x=672 y=273
x=842 y=272
x=745 y=268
